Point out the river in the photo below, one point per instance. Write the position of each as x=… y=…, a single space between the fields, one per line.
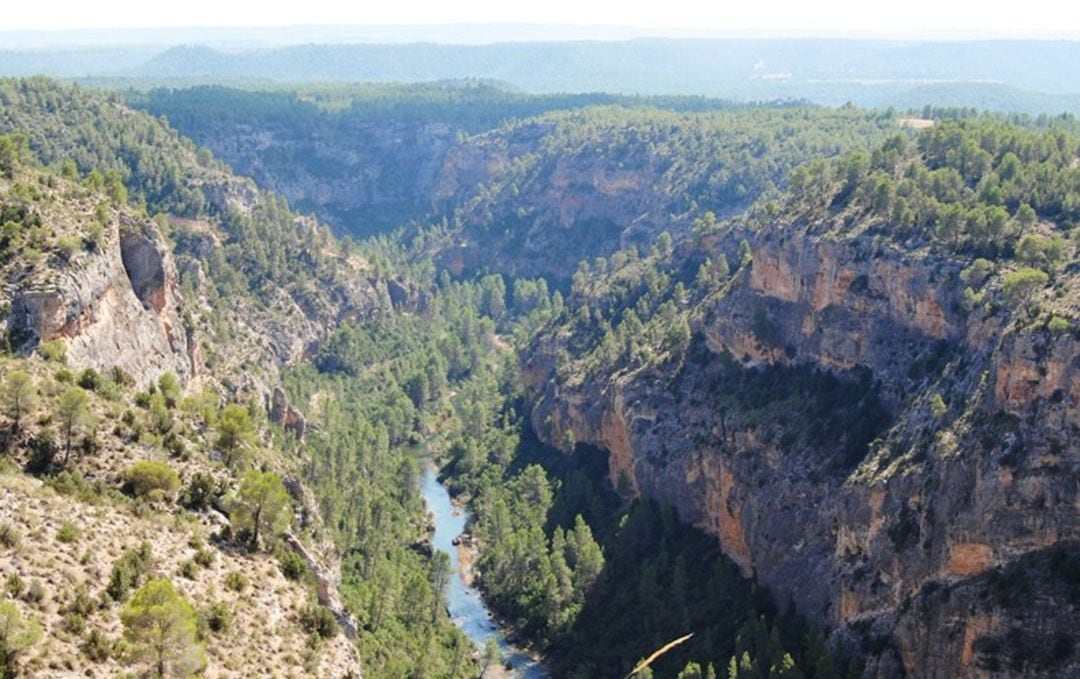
x=466 y=605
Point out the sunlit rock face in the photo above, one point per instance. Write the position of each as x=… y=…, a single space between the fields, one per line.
x=115 y=306
x=925 y=539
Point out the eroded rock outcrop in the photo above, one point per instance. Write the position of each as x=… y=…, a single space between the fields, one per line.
x=528 y=211
x=114 y=306
x=282 y=412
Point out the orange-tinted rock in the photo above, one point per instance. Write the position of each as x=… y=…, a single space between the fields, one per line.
x=968 y=558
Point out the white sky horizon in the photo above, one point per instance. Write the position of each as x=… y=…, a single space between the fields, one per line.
x=911 y=19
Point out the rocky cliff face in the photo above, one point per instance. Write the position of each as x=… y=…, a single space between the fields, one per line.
x=914 y=528
x=359 y=177
x=531 y=196
x=116 y=305
x=520 y=202
x=282 y=321
x=534 y=204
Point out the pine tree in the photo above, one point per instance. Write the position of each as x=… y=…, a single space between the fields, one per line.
x=16 y=635
x=261 y=506
x=160 y=628
x=20 y=395
x=73 y=413
x=235 y=431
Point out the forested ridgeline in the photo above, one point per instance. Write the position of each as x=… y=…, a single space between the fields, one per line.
x=472 y=106
x=519 y=176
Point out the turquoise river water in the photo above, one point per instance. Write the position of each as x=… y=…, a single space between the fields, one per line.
x=466 y=605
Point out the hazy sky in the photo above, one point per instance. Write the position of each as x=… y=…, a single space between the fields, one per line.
x=911 y=18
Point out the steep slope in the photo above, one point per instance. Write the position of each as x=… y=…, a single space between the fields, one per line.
x=366 y=157
x=186 y=459
x=116 y=303
x=96 y=304
x=244 y=262
x=537 y=196
x=525 y=190
x=891 y=451
x=97 y=295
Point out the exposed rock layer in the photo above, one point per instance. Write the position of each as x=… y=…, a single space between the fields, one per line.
x=115 y=306
x=858 y=535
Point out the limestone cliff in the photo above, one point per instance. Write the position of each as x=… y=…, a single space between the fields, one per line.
x=112 y=304
x=359 y=177
x=896 y=465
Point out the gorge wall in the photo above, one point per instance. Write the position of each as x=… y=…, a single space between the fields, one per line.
x=937 y=542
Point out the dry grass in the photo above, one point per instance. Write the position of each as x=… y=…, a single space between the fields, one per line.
x=916 y=123
x=264 y=640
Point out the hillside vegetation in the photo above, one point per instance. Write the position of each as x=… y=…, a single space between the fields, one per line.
x=800 y=381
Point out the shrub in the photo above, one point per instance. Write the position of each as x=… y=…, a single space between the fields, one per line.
x=160 y=418
x=976 y=274
x=204 y=558
x=74 y=623
x=35 y=593
x=937 y=406
x=146 y=476
x=68 y=533
x=67 y=246
x=189 y=569
x=90 y=380
x=81 y=603
x=53 y=350
x=14 y=586
x=121 y=377
x=42 y=453
x=292 y=565
x=74 y=484
x=216 y=618
x=111 y=390
x=128 y=570
x=175 y=445
x=9 y=536
x=98 y=647
x=95 y=236
x=319 y=620
x=1057 y=325
x=169 y=387
x=236 y=581
x=19 y=635
x=201 y=492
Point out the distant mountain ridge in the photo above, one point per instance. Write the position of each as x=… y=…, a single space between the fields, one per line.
x=826 y=71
